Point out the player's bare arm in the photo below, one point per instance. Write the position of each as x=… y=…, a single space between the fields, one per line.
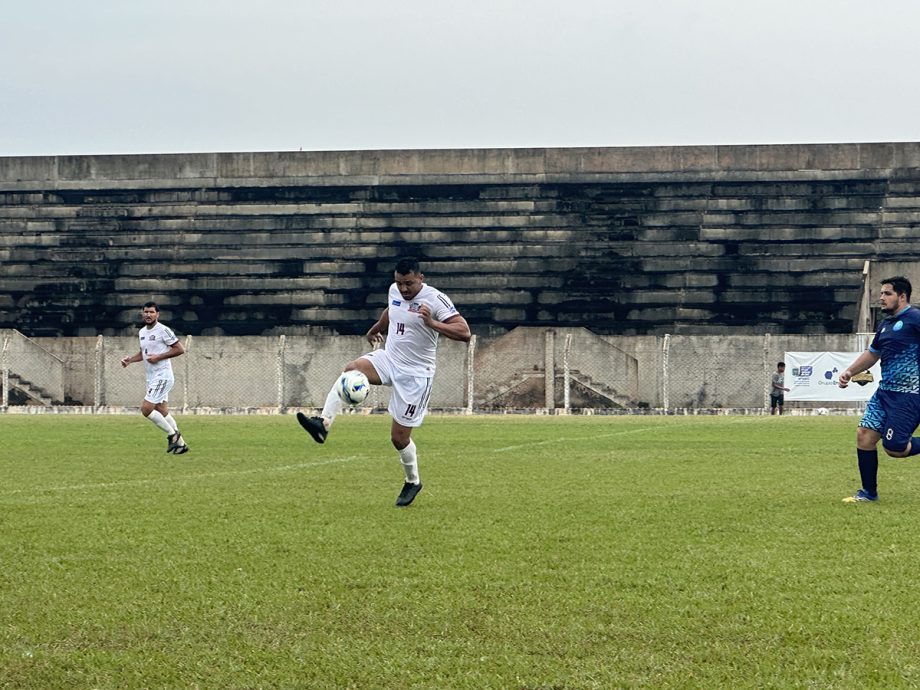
x=137 y=357
x=375 y=333
x=865 y=361
x=176 y=349
x=455 y=328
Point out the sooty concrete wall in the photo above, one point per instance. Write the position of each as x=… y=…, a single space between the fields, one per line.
x=619 y=240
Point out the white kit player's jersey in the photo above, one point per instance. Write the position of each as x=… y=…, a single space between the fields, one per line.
x=411 y=345
x=156 y=341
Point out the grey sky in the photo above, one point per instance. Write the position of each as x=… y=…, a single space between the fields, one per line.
x=121 y=76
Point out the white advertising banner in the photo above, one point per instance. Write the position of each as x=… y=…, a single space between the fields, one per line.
x=813 y=376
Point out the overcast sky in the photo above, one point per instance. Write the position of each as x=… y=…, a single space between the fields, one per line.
x=124 y=76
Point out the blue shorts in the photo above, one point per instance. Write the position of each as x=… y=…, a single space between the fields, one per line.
x=893 y=415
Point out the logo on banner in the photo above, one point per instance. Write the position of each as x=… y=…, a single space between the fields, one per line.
x=816 y=376
x=830 y=378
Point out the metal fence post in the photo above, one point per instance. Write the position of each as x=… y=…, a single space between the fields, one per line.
x=470 y=373
x=98 y=373
x=862 y=342
x=566 y=374
x=549 y=366
x=665 y=352
x=186 y=367
x=5 y=371
x=767 y=389
x=280 y=373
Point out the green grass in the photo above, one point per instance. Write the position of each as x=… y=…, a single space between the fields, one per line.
x=544 y=552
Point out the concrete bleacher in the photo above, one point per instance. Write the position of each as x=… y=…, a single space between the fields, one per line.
x=619 y=240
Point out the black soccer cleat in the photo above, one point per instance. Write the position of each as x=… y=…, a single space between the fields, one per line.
x=177 y=444
x=408 y=494
x=314 y=427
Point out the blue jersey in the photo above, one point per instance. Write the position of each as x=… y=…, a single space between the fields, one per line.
x=897 y=343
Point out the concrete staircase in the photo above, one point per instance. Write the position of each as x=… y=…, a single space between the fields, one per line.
x=29 y=371
x=524 y=388
x=588 y=392
x=642 y=249
x=35 y=394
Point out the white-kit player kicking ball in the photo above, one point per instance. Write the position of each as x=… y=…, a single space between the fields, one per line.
x=415 y=316
x=158 y=345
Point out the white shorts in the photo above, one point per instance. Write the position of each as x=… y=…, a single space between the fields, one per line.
x=410 y=396
x=158 y=389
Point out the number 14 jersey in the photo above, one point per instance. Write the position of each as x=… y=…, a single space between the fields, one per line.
x=411 y=345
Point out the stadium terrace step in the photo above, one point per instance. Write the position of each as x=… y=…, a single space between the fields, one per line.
x=304 y=244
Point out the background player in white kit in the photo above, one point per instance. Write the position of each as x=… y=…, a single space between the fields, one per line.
x=414 y=318
x=158 y=344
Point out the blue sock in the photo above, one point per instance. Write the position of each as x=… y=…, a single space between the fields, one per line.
x=914 y=446
x=868 y=470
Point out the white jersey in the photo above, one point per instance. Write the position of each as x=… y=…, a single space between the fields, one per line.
x=411 y=345
x=156 y=341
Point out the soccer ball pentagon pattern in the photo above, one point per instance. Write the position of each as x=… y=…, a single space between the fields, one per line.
x=353 y=387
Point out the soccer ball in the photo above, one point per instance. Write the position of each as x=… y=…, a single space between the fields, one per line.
x=353 y=387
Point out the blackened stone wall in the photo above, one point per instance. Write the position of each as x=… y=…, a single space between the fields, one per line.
x=619 y=240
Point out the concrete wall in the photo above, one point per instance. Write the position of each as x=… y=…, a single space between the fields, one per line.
x=624 y=241
x=523 y=369
x=255 y=372
x=467 y=166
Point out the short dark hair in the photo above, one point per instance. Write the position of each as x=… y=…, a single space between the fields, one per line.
x=781 y=364
x=406 y=266
x=900 y=285
x=156 y=307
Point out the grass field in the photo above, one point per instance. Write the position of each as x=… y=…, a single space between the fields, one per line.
x=544 y=552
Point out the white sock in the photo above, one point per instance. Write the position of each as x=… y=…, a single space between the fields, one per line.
x=172 y=422
x=409 y=460
x=333 y=404
x=161 y=422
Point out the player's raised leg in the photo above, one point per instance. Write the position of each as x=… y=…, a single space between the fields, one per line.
x=318 y=426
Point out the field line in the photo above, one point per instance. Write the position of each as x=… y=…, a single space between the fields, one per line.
x=569 y=439
x=594 y=437
x=176 y=478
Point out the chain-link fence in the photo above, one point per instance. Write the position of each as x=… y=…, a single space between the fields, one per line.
x=527 y=369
